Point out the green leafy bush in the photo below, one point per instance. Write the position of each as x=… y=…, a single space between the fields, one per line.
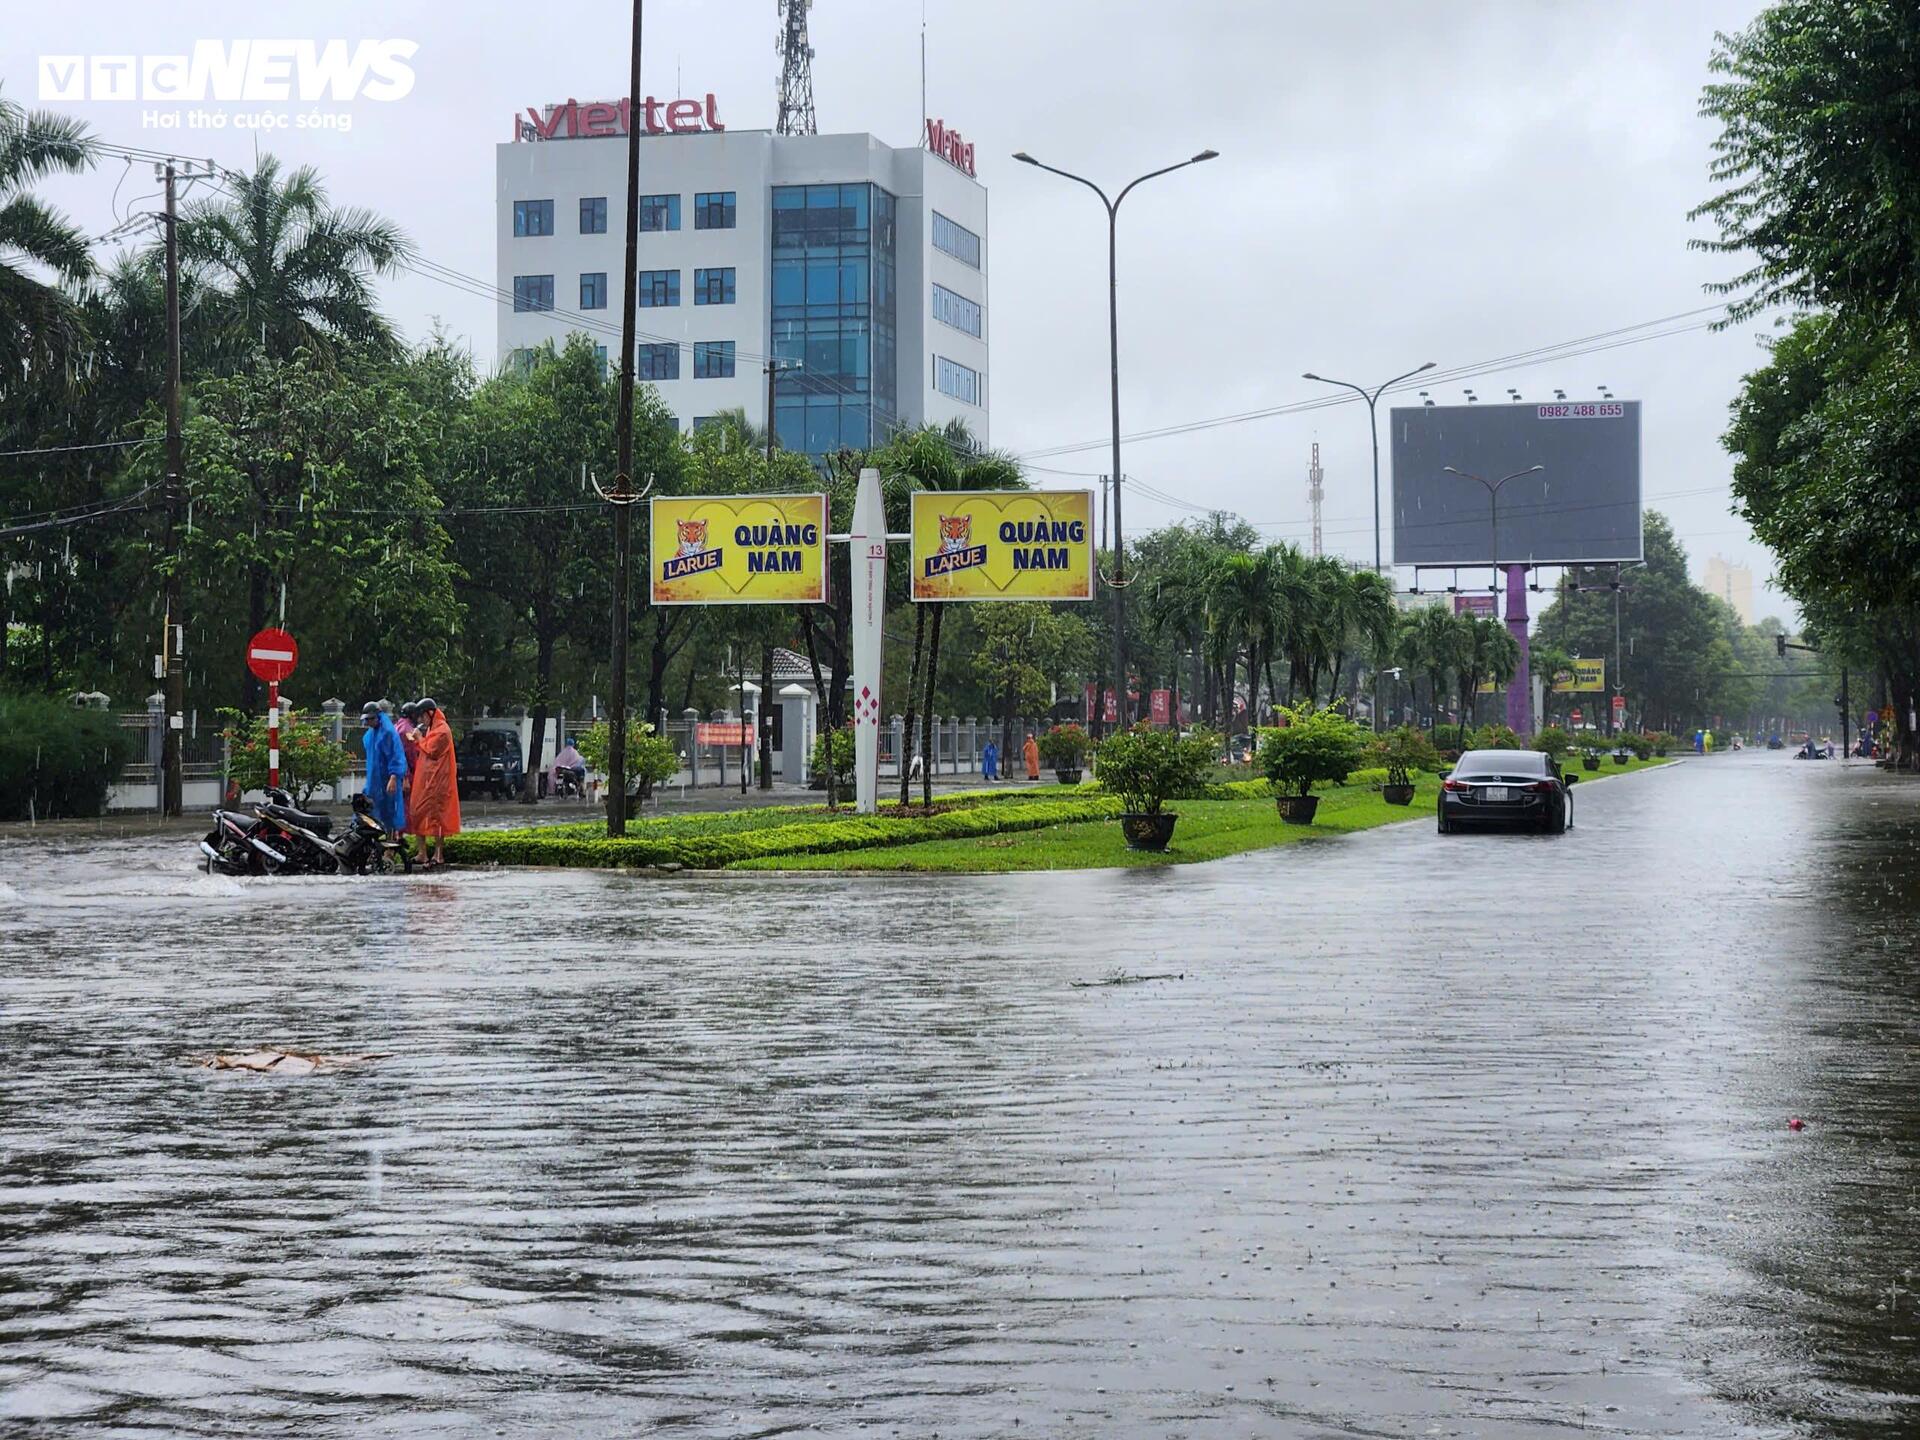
x=1639 y=743
x=1402 y=751
x=711 y=847
x=1316 y=745
x=651 y=758
x=832 y=748
x=57 y=760
x=1493 y=737
x=310 y=758
x=1064 y=747
x=1147 y=767
x=1554 y=743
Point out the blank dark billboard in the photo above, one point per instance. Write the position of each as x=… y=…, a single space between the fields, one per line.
x=1584 y=505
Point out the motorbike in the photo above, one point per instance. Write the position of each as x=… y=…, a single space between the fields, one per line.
x=279 y=838
x=569 y=781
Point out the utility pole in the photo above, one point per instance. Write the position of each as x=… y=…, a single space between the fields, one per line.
x=623 y=497
x=173 y=621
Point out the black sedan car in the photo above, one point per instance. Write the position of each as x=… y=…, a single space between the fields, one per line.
x=1506 y=787
x=490 y=761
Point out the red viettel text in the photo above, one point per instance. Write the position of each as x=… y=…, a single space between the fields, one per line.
x=948 y=145
x=600 y=118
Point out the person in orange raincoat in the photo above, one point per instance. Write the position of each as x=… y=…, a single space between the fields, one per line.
x=434 y=805
x=1030 y=752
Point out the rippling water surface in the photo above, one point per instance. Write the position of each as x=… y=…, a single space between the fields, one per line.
x=1471 y=1136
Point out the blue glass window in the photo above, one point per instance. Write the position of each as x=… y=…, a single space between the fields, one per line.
x=659 y=288
x=952 y=378
x=713 y=287
x=956 y=310
x=713 y=359
x=593 y=215
x=533 y=217
x=659 y=362
x=593 y=290
x=958 y=241
x=659 y=212
x=600 y=359
x=713 y=210
x=533 y=292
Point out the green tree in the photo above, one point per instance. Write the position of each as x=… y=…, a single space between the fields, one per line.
x=1818 y=158
x=291 y=271
x=41 y=334
x=1490 y=654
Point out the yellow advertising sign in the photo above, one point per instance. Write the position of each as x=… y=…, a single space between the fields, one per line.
x=1586 y=675
x=738 y=549
x=1002 y=545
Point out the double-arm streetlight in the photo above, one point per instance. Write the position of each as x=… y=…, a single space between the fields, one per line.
x=1519 y=701
x=1493 y=501
x=1117 y=581
x=1372 y=397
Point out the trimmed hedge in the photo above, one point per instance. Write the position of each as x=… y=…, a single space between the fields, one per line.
x=716 y=848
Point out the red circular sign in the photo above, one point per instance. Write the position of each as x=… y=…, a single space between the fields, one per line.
x=271 y=655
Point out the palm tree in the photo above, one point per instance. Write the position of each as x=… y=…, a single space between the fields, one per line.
x=292 y=270
x=41 y=330
x=1176 y=607
x=749 y=435
x=1489 y=652
x=1364 y=615
x=932 y=458
x=1300 y=583
x=1247 y=603
x=1433 y=644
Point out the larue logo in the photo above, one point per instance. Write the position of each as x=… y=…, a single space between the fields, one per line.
x=239 y=71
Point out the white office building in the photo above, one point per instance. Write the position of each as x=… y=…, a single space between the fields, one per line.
x=859 y=269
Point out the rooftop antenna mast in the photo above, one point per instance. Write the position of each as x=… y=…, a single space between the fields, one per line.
x=796 y=71
x=1316 y=490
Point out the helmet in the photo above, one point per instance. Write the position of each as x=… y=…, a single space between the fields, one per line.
x=410 y=708
x=427 y=703
x=369 y=711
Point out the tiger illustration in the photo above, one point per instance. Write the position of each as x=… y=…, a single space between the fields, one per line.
x=693 y=536
x=955 y=533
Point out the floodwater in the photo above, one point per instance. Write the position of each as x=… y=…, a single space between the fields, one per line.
x=1423 y=1136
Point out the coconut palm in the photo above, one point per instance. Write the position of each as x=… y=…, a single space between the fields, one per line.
x=932 y=458
x=1489 y=653
x=1433 y=644
x=1249 y=605
x=292 y=270
x=41 y=330
x=1363 y=623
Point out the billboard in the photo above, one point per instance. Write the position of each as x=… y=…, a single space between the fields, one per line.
x=737 y=549
x=1584 y=676
x=1479 y=606
x=1002 y=544
x=1582 y=508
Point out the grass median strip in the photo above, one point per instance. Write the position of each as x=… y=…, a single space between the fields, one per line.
x=968 y=832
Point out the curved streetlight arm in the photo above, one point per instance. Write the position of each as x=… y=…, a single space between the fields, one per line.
x=1167 y=170
x=1069 y=175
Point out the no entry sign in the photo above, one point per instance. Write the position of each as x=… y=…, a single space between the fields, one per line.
x=271 y=655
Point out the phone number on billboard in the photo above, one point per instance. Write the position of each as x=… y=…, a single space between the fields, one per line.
x=1589 y=410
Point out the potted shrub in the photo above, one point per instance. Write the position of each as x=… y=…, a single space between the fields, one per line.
x=1146 y=768
x=1064 y=747
x=1403 y=751
x=1555 y=744
x=1589 y=756
x=1313 y=745
x=1661 y=740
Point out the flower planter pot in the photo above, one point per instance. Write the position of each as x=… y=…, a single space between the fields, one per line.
x=1660 y=750
x=1148 y=832
x=1397 y=794
x=1067 y=776
x=1621 y=757
x=1589 y=762
x=1297 y=809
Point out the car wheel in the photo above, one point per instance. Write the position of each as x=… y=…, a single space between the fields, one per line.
x=1446 y=826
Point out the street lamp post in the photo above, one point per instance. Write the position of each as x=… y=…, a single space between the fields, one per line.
x=1519 y=691
x=1117 y=581
x=1372 y=397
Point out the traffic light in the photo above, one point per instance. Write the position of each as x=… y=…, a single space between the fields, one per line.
x=1780 y=646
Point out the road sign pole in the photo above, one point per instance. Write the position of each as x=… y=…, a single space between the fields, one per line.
x=867 y=565
x=273 y=733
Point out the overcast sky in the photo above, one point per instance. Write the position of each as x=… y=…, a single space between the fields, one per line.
x=1398 y=182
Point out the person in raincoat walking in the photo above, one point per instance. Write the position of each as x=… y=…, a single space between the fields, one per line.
x=1030 y=752
x=386 y=767
x=436 y=789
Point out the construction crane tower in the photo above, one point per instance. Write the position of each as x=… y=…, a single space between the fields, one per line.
x=1315 y=491
x=796 y=70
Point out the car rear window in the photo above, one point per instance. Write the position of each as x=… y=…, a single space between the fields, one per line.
x=1501 y=762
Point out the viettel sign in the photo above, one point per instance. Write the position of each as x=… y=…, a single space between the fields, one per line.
x=947 y=144
x=598 y=119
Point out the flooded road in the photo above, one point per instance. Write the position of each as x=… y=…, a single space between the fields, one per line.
x=1463 y=1136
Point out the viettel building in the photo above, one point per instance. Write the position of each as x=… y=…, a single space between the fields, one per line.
x=859 y=269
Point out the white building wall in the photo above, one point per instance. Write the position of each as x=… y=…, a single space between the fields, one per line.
x=749 y=163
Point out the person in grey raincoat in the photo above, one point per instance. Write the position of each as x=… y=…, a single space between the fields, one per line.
x=386 y=767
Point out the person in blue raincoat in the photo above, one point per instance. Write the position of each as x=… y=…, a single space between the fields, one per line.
x=386 y=767
x=990 y=762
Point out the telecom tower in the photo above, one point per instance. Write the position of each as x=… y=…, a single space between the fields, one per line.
x=1315 y=490
x=796 y=70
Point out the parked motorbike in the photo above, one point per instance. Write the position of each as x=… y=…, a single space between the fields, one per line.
x=279 y=838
